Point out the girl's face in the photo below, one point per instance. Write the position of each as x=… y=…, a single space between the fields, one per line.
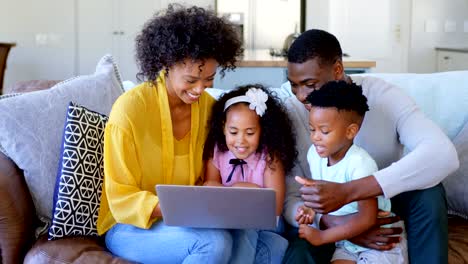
x=242 y=130
x=187 y=80
x=329 y=133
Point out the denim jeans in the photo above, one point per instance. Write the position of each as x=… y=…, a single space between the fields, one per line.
x=169 y=244
x=258 y=246
x=425 y=216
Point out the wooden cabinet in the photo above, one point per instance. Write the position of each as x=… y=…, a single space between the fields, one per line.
x=452 y=59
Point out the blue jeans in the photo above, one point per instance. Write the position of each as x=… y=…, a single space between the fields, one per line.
x=258 y=246
x=169 y=244
x=425 y=216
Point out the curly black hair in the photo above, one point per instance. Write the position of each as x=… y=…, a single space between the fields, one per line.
x=180 y=33
x=277 y=135
x=342 y=95
x=315 y=43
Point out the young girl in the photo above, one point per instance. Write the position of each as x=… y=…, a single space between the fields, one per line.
x=251 y=144
x=336 y=114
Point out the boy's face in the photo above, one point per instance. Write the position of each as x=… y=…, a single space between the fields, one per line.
x=242 y=130
x=330 y=133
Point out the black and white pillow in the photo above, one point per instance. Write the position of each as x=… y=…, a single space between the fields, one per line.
x=80 y=174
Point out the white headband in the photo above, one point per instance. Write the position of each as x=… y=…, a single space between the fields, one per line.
x=255 y=97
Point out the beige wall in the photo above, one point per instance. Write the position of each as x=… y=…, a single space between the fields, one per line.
x=43 y=31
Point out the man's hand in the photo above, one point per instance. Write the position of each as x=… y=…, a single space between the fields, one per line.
x=380 y=238
x=304 y=215
x=322 y=196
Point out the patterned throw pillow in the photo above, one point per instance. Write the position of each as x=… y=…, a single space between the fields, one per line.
x=80 y=174
x=31 y=126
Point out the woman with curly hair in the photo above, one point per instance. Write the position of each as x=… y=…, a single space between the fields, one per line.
x=155 y=135
x=251 y=144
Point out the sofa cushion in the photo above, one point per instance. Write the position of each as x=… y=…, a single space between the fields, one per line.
x=441 y=96
x=70 y=250
x=29 y=86
x=32 y=125
x=16 y=213
x=80 y=174
x=456 y=185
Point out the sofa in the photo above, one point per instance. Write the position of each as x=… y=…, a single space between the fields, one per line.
x=20 y=225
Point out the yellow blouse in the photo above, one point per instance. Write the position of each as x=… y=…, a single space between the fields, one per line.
x=140 y=151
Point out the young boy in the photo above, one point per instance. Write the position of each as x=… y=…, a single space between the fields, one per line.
x=336 y=113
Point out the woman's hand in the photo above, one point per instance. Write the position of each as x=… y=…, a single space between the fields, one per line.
x=156 y=212
x=322 y=196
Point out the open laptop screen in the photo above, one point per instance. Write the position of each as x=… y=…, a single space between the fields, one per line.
x=217 y=207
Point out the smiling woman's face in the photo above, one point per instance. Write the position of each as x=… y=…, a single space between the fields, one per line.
x=188 y=79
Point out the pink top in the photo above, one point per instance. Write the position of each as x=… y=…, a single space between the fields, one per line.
x=253 y=170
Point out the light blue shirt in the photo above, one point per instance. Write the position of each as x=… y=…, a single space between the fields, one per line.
x=356 y=164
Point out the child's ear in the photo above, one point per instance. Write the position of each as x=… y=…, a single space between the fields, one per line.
x=352 y=130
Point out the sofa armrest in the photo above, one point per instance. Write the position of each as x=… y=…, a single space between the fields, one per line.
x=17 y=213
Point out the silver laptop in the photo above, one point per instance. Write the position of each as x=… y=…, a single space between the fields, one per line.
x=217 y=207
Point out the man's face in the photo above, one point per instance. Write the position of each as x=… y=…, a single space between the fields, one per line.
x=310 y=75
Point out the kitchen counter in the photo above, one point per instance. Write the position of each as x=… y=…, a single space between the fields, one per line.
x=452 y=48
x=452 y=58
x=262 y=58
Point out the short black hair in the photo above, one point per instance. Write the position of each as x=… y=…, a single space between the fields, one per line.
x=180 y=33
x=315 y=43
x=342 y=95
x=277 y=135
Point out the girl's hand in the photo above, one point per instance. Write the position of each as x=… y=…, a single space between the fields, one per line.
x=304 y=215
x=310 y=234
x=245 y=184
x=212 y=183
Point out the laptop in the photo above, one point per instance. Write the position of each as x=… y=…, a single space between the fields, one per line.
x=217 y=207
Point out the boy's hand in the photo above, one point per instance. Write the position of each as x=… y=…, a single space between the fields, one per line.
x=304 y=215
x=310 y=234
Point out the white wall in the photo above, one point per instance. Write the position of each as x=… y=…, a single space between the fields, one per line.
x=267 y=23
x=422 y=55
x=367 y=29
x=44 y=37
x=47 y=43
